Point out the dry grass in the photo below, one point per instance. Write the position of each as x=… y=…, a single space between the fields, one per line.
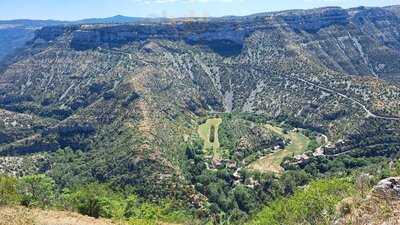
x=17 y=215
x=25 y=216
x=374 y=210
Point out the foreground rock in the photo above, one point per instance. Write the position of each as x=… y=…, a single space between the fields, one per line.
x=388 y=188
x=382 y=207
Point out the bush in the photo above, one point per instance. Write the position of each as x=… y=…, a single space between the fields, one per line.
x=397 y=168
x=245 y=198
x=96 y=200
x=36 y=190
x=316 y=204
x=212 y=134
x=165 y=211
x=8 y=190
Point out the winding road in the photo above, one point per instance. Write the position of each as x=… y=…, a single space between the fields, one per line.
x=369 y=113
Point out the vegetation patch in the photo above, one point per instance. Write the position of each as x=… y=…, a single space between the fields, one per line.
x=272 y=162
x=316 y=204
x=93 y=200
x=208 y=132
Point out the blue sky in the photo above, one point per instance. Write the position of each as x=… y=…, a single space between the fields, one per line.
x=78 y=9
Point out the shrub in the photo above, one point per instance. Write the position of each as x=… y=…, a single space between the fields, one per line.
x=316 y=204
x=36 y=190
x=397 y=168
x=8 y=190
x=165 y=211
x=244 y=198
x=212 y=134
x=96 y=200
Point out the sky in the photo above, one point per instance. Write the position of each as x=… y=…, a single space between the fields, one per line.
x=79 y=9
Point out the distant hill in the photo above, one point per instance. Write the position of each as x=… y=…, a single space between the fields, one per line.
x=28 y=23
x=114 y=19
x=15 y=33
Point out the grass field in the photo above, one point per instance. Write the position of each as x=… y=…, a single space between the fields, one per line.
x=271 y=162
x=205 y=131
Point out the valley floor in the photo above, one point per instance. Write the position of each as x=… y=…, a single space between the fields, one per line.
x=272 y=162
x=209 y=131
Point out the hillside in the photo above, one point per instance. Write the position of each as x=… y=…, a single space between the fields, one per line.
x=15 y=33
x=123 y=103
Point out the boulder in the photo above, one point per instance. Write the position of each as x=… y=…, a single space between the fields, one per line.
x=389 y=187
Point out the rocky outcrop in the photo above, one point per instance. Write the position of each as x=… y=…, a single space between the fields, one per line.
x=316 y=19
x=218 y=36
x=223 y=36
x=388 y=188
x=361 y=26
x=53 y=32
x=382 y=207
x=375 y=15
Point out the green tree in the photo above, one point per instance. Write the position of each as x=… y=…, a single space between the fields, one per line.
x=244 y=198
x=36 y=190
x=97 y=200
x=87 y=199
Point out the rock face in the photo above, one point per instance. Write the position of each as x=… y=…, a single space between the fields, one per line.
x=222 y=37
x=358 y=41
x=53 y=32
x=212 y=33
x=341 y=39
x=314 y=20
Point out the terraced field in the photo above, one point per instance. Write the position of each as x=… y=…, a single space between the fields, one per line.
x=208 y=132
x=271 y=162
